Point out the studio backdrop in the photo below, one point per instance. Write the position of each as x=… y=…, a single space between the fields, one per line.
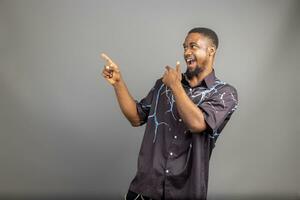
x=62 y=133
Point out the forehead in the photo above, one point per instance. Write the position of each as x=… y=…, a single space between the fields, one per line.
x=196 y=38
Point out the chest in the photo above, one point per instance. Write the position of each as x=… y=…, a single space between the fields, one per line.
x=164 y=102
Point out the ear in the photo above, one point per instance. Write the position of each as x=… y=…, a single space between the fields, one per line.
x=211 y=50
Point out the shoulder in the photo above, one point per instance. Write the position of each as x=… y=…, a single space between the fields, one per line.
x=224 y=87
x=224 y=93
x=158 y=83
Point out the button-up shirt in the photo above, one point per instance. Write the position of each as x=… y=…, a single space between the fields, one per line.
x=173 y=160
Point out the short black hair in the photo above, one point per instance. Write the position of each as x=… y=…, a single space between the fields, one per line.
x=208 y=33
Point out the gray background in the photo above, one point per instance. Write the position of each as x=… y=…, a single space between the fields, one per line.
x=62 y=132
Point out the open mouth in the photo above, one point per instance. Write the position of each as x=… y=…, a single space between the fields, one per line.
x=191 y=62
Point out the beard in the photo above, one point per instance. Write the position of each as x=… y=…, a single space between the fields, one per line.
x=193 y=73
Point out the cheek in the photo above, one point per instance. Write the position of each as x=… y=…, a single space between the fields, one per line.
x=201 y=56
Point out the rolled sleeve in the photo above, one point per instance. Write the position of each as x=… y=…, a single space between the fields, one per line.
x=144 y=106
x=218 y=108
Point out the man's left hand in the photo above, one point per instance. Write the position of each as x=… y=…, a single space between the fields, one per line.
x=172 y=76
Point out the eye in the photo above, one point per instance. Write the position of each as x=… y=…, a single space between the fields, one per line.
x=194 y=46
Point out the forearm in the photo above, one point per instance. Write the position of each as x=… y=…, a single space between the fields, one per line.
x=191 y=115
x=126 y=102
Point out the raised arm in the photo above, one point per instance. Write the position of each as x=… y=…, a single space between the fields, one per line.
x=188 y=111
x=112 y=74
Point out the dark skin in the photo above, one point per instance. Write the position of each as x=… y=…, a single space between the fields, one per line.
x=196 y=47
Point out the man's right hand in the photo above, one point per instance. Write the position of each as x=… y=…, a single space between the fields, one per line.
x=127 y=104
x=111 y=70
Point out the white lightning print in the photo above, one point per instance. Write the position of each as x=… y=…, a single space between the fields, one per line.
x=157 y=123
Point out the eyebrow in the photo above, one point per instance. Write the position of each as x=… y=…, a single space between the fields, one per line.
x=190 y=44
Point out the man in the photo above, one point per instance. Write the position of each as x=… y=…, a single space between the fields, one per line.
x=185 y=114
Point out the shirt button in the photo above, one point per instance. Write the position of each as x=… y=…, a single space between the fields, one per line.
x=175 y=136
x=167 y=171
x=169 y=129
x=171 y=153
x=180 y=120
x=191 y=89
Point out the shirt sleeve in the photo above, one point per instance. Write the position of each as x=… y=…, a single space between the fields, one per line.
x=144 y=105
x=218 y=108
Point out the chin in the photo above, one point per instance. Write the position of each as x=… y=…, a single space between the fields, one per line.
x=193 y=71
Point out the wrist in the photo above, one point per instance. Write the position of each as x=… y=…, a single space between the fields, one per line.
x=118 y=82
x=176 y=86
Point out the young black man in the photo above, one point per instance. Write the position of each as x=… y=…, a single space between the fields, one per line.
x=184 y=115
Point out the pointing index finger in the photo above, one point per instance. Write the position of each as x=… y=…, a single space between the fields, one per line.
x=106 y=58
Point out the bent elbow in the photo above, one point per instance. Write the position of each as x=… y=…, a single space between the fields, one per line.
x=198 y=127
x=135 y=123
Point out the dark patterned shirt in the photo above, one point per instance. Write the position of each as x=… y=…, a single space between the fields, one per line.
x=172 y=160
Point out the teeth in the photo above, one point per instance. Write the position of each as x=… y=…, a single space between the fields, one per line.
x=190 y=60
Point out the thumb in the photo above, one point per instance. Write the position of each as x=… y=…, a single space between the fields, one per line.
x=178 y=69
x=113 y=67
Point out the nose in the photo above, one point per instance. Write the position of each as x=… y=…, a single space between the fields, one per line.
x=187 y=52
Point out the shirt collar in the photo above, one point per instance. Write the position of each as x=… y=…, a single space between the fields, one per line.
x=208 y=81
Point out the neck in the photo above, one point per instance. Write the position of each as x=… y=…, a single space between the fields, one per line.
x=198 y=79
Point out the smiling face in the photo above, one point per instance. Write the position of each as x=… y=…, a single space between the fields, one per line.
x=197 y=49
